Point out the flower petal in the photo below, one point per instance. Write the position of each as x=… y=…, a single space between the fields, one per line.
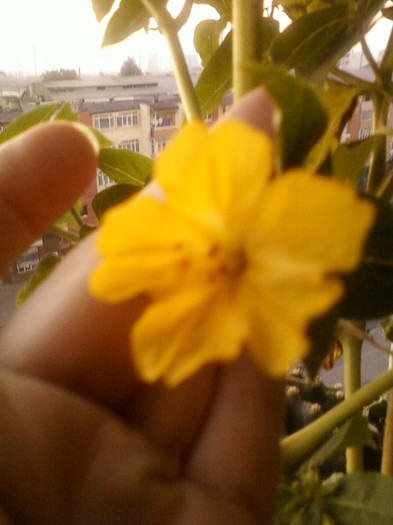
x=120 y=278
x=216 y=174
x=146 y=248
x=277 y=341
x=280 y=313
x=144 y=224
x=312 y=221
x=178 y=335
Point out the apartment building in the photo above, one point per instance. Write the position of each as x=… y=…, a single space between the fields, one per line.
x=140 y=114
x=166 y=117
x=10 y=109
x=124 y=122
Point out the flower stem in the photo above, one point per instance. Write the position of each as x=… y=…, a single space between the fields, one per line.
x=167 y=26
x=65 y=234
x=246 y=15
x=352 y=382
x=298 y=446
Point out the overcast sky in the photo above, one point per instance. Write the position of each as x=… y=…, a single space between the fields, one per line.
x=39 y=35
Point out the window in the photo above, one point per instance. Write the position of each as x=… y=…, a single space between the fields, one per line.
x=104 y=121
x=132 y=145
x=364 y=133
x=28 y=261
x=161 y=145
x=366 y=114
x=128 y=119
x=164 y=118
x=209 y=117
x=103 y=181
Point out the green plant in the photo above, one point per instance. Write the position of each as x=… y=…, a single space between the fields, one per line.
x=314 y=100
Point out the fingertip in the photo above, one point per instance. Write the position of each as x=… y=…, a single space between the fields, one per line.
x=52 y=163
x=42 y=173
x=256 y=109
x=62 y=161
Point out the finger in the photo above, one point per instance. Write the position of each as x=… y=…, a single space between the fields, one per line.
x=255 y=109
x=237 y=453
x=96 y=469
x=64 y=460
x=171 y=418
x=42 y=172
x=64 y=335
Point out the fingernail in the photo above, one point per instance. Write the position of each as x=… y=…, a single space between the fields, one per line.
x=89 y=134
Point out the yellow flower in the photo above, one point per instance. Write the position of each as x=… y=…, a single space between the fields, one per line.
x=231 y=257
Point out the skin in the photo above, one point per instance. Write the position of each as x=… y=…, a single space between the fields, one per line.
x=82 y=440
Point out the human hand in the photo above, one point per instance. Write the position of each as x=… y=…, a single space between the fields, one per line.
x=83 y=441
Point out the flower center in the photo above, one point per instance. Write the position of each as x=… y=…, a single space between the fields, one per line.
x=227 y=263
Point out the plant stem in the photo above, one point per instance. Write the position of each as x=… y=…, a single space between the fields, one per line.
x=65 y=234
x=387 y=59
x=246 y=15
x=76 y=216
x=167 y=26
x=349 y=327
x=385 y=189
x=298 y=446
x=352 y=80
x=378 y=156
x=184 y=14
x=387 y=449
x=370 y=58
x=352 y=382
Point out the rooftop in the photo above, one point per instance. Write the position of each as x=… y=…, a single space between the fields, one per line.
x=111 y=105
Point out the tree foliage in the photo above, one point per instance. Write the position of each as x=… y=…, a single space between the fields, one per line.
x=130 y=68
x=60 y=74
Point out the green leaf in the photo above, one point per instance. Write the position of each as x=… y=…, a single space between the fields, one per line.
x=353 y=433
x=86 y=230
x=216 y=78
x=28 y=120
x=103 y=142
x=131 y=16
x=125 y=167
x=363 y=498
x=207 y=38
x=66 y=113
x=101 y=8
x=110 y=197
x=68 y=218
x=349 y=161
x=369 y=289
x=300 y=500
x=302 y=116
x=315 y=42
x=338 y=101
x=43 y=269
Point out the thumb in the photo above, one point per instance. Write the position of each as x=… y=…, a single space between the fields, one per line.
x=42 y=172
